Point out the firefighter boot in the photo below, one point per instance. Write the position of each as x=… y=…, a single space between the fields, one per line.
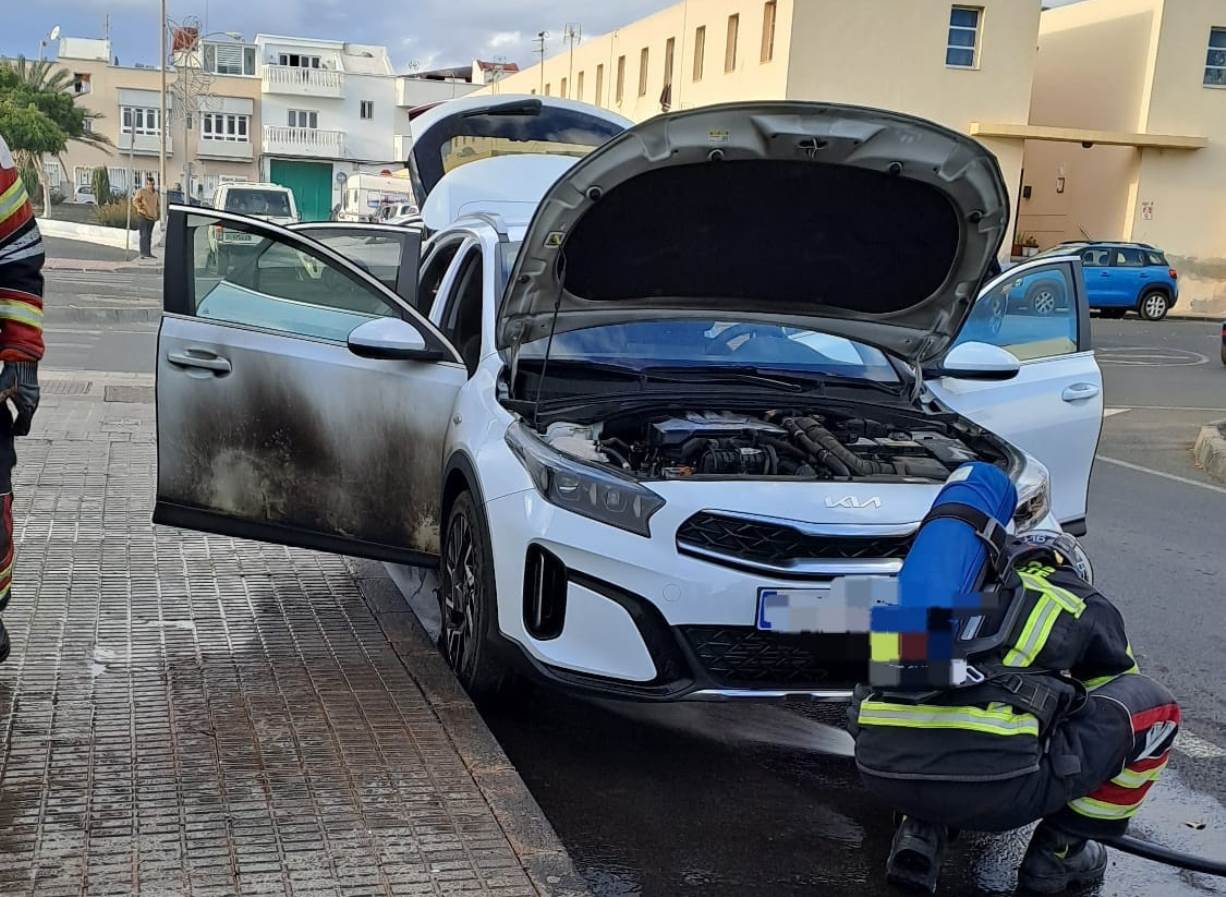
x=1055 y=862
x=915 y=855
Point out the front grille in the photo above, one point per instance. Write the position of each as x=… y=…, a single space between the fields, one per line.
x=741 y=656
x=779 y=544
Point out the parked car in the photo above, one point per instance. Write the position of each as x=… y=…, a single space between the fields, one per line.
x=84 y=194
x=624 y=466
x=398 y=213
x=267 y=202
x=1123 y=277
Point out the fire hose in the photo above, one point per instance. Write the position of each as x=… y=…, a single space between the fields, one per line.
x=1159 y=854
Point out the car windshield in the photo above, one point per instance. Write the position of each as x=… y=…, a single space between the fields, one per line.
x=274 y=203
x=717 y=343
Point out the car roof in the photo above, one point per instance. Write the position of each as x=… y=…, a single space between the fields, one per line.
x=1122 y=243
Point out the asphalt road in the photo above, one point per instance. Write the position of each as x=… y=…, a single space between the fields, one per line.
x=746 y=800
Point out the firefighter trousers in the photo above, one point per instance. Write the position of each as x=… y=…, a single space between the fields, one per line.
x=1098 y=766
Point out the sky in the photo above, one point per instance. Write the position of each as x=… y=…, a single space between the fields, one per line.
x=419 y=34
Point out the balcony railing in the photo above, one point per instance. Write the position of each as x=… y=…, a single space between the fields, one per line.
x=143 y=144
x=280 y=140
x=225 y=149
x=300 y=81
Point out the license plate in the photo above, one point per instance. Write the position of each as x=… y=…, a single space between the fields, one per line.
x=841 y=607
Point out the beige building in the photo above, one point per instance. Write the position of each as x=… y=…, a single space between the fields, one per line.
x=966 y=65
x=1150 y=77
x=217 y=138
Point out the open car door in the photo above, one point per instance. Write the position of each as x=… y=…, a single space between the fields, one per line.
x=1053 y=408
x=300 y=399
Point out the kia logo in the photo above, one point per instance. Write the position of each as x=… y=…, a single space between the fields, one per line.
x=851 y=503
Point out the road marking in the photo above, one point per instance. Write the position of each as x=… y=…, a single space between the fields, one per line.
x=1175 y=408
x=1112 y=412
x=1150 y=356
x=1198 y=748
x=1166 y=476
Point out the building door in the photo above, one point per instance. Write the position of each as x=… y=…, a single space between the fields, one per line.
x=311 y=183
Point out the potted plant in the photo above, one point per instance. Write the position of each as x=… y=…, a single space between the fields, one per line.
x=1030 y=245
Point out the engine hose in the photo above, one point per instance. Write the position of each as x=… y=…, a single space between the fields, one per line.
x=1156 y=852
x=808 y=439
x=823 y=437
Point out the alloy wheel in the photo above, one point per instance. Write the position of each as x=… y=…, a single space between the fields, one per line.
x=1045 y=301
x=1155 y=306
x=460 y=595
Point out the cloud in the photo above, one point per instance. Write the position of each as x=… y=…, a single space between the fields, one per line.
x=504 y=39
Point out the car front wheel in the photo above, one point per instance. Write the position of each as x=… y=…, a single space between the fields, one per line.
x=468 y=601
x=1154 y=306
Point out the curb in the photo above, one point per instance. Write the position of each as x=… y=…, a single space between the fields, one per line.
x=520 y=817
x=1210 y=449
x=105 y=314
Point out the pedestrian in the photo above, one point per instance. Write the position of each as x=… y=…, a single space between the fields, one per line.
x=148 y=210
x=21 y=347
x=1003 y=692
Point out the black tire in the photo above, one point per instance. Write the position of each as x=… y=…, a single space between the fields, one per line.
x=1154 y=305
x=1045 y=297
x=468 y=601
x=1112 y=313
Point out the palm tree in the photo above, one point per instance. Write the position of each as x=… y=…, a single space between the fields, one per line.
x=43 y=76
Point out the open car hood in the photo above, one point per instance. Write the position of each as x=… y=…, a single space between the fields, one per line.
x=858 y=222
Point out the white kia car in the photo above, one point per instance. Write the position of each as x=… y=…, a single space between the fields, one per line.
x=635 y=382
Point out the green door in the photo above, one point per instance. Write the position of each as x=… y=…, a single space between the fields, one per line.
x=311 y=183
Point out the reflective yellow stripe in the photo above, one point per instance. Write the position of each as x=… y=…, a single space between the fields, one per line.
x=998 y=719
x=16 y=310
x=1098 y=809
x=1066 y=599
x=1130 y=779
x=13 y=199
x=1100 y=681
x=1034 y=634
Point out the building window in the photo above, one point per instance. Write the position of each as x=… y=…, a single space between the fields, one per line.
x=303 y=118
x=81 y=175
x=298 y=60
x=367 y=109
x=670 y=51
x=621 y=78
x=88 y=126
x=644 y=54
x=138 y=120
x=600 y=85
x=548 y=88
x=1215 y=62
x=734 y=30
x=563 y=88
x=700 y=51
x=579 y=86
x=53 y=174
x=80 y=82
x=229 y=59
x=768 y=30
x=224 y=126
x=963 y=48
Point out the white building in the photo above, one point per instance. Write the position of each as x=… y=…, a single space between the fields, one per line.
x=328 y=110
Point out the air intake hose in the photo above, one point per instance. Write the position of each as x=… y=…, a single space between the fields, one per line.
x=827 y=450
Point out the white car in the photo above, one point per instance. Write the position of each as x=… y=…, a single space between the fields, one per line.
x=268 y=202
x=732 y=353
x=85 y=194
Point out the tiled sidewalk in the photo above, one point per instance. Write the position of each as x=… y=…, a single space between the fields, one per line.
x=197 y=715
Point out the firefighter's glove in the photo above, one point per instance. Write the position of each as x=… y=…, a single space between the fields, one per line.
x=19 y=385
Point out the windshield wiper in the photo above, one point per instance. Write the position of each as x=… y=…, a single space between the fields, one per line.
x=736 y=373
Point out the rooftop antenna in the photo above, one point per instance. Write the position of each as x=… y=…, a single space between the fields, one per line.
x=572 y=35
x=540 y=39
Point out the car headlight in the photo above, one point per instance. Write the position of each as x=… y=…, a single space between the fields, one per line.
x=1033 y=495
x=582 y=489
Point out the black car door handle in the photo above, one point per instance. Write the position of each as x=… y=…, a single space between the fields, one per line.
x=197 y=359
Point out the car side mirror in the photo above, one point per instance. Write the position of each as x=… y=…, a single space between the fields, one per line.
x=977 y=361
x=391 y=339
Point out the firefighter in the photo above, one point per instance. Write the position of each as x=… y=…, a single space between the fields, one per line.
x=21 y=347
x=1003 y=691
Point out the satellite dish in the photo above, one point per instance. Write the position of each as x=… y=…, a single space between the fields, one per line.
x=55 y=33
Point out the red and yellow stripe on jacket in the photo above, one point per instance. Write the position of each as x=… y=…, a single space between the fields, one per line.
x=21 y=260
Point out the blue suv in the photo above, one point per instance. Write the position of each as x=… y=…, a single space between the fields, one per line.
x=1121 y=277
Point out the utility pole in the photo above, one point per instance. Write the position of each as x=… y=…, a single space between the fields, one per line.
x=574 y=34
x=540 y=37
x=131 y=179
x=162 y=123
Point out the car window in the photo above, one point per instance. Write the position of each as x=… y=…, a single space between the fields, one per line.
x=433 y=271
x=264 y=282
x=1156 y=258
x=1033 y=315
x=273 y=203
x=377 y=253
x=1129 y=258
x=1096 y=258
x=461 y=319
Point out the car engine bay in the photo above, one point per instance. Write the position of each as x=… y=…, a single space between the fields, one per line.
x=789 y=444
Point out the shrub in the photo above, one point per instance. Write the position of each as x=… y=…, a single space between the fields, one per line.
x=101 y=182
x=57 y=196
x=113 y=214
